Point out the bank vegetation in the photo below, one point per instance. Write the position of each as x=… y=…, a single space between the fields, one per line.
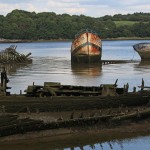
x=24 y=25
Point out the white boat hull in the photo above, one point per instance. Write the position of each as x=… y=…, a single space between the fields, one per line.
x=143 y=49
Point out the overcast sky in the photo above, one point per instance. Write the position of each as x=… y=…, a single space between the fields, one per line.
x=93 y=8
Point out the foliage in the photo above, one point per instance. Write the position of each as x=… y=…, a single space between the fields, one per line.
x=122 y=23
x=20 y=24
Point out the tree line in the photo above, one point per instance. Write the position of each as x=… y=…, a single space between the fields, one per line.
x=20 y=24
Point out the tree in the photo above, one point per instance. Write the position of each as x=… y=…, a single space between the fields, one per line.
x=20 y=24
x=2 y=18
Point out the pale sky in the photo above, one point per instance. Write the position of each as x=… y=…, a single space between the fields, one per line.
x=93 y=8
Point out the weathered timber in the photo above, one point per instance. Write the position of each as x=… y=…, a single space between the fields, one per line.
x=56 y=89
x=106 y=62
x=4 y=81
x=68 y=103
x=138 y=114
x=10 y=55
x=12 y=124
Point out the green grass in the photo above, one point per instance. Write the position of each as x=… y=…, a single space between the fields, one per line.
x=121 y=23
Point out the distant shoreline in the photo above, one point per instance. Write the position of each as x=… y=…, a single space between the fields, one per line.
x=126 y=38
x=30 y=41
x=64 y=40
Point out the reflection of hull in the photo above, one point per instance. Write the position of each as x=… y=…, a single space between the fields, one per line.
x=86 y=47
x=143 y=50
x=144 y=63
x=86 y=69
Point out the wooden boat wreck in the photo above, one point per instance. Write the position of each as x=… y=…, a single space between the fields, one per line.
x=143 y=49
x=68 y=106
x=54 y=96
x=11 y=124
x=108 y=106
x=86 y=47
x=10 y=55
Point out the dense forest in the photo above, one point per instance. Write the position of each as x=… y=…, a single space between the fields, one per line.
x=20 y=24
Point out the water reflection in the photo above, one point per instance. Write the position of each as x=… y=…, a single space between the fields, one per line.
x=87 y=69
x=123 y=141
x=142 y=68
x=12 y=68
x=127 y=144
x=144 y=63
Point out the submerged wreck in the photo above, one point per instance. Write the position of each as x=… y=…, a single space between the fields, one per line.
x=10 y=55
x=86 y=47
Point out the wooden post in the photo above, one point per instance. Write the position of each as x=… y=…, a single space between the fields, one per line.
x=134 y=89
x=20 y=92
x=4 y=80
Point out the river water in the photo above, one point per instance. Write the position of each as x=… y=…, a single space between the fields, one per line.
x=52 y=62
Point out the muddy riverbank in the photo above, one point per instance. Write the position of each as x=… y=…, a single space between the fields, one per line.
x=74 y=137
x=68 y=122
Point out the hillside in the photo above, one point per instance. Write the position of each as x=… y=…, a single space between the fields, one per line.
x=20 y=24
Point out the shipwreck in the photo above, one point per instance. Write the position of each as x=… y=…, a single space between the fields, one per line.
x=143 y=49
x=104 y=106
x=10 y=55
x=86 y=47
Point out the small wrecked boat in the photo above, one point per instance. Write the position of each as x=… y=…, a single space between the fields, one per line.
x=86 y=47
x=10 y=55
x=143 y=49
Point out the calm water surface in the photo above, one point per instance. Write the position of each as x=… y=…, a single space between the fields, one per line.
x=51 y=62
x=127 y=144
x=138 y=143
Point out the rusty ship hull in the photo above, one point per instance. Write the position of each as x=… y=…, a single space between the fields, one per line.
x=86 y=47
x=143 y=49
